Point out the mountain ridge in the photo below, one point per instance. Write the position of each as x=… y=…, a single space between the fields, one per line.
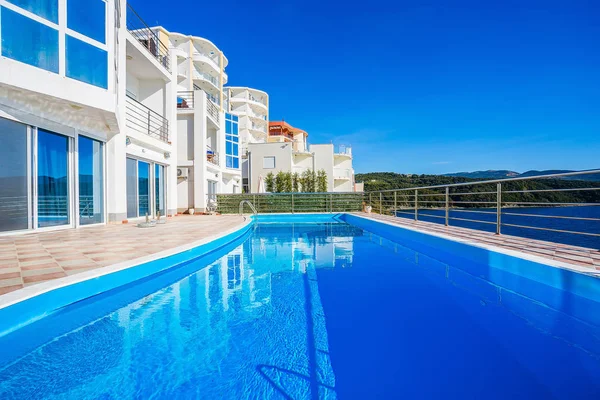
x=504 y=173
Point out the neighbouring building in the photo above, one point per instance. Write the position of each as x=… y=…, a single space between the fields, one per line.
x=287 y=150
x=208 y=153
x=252 y=108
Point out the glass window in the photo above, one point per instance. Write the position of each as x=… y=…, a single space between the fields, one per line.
x=14 y=214
x=28 y=41
x=86 y=63
x=143 y=188
x=268 y=162
x=53 y=182
x=47 y=9
x=132 y=203
x=159 y=187
x=87 y=17
x=231 y=141
x=91 y=181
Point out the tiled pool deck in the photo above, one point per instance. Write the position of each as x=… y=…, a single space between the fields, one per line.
x=39 y=257
x=577 y=256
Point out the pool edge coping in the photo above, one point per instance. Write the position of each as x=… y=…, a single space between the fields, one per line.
x=26 y=293
x=492 y=248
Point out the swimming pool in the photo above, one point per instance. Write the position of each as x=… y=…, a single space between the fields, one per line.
x=340 y=308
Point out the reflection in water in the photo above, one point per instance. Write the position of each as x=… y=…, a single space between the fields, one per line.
x=275 y=315
x=250 y=324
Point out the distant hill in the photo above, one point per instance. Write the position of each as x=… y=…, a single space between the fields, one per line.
x=489 y=174
x=500 y=174
x=388 y=180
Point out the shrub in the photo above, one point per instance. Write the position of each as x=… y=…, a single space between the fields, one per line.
x=321 y=181
x=270 y=182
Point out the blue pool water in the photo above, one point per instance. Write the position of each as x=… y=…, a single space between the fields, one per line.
x=307 y=311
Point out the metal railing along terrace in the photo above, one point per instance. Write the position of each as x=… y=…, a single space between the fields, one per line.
x=513 y=204
x=142 y=119
x=149 y=39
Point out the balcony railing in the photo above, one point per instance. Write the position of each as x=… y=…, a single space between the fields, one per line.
x=212 y=109
x=185 y=100
x=257 y=100
x=343 y=150
x=149 y=39
x=212 y=156
x=206 y=77
x=341 y=173
x=143 y=120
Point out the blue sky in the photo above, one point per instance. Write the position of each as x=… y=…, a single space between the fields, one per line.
x=418 y=86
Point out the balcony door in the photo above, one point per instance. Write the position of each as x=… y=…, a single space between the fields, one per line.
x=53 y=183
x=15 y=179
x=146 y=188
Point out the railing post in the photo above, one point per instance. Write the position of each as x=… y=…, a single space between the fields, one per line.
x=499 y=209
x=447 y=205
x=370 y=201
x=416 y=205
x=331 y=203
x=292 y=203
x=395 y=204
x=148 y=122
x=380 y=203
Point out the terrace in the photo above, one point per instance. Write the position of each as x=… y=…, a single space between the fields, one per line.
x=41 y=257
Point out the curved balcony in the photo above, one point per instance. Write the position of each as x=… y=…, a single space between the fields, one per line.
x=206 y=81
x=343 y=151
x=342 y=174
x=206 y=60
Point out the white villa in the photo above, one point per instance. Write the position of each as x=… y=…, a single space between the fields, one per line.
x=113 y=121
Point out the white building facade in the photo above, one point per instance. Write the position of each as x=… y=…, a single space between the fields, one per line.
x=252 y=108
x=286 y=156
x=208 y=136
x=87 y=109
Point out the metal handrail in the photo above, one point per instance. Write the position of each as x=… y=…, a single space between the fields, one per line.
x=185 y=100
x=497 y=202
x=148 y=38
x=249 y=205
x=144 y=120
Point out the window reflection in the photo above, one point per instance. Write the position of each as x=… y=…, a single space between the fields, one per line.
x=53 y=181
x=13 y=176
x=91 y=181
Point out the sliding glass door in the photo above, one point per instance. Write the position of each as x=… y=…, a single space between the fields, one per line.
x=38 y=179
x=159 y=190
x=91 y=181
x=132 y=201
x=146 y=189
x=53 y=205
x=15 y=210
x=143 y=188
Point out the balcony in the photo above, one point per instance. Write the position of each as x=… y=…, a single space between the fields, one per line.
x=185 y=100
x=149 y=39
x=343 y=151
x=211 y=60
x=212 y=156
x=141 y=119
x=212 y=109
x=342 y=174
x=203 y=76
